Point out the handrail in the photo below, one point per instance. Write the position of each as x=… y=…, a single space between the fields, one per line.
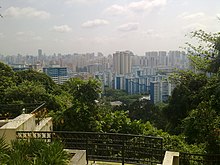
x=36 y=109
x=113 y=147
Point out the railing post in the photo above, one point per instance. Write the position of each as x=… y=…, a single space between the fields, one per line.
x=87 y=158
x=51 y=136
x=123 y=150
x=161 y=143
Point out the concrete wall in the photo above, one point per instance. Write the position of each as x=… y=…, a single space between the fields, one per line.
x=79 y=157
x=171 y=158
x=24 y=122
x=45 y=125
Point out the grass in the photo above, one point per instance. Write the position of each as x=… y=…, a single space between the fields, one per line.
x=105 y=163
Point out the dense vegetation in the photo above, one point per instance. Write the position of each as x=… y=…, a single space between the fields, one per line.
x=189 y=122
x=33 y=152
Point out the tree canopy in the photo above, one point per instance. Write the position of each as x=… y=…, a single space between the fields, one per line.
x=193 y=108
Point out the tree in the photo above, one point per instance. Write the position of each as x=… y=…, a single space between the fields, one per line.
x=34 y=76
x=205 y=55
x=8 y=79
x=193 y=108
x=186 y=96
x=119 y=95
x=202 y=126
x=83 y=114
x=86 y=91
x=32 y=92
x=27 y=92
x=144 y=110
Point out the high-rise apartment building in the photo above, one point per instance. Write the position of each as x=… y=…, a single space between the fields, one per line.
x=160 y=90
x=162 y=59
x=152 y=59
x=122 y=62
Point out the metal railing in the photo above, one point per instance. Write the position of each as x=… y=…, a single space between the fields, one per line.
x=199 y=159
x=40 y=113
x=124 y=148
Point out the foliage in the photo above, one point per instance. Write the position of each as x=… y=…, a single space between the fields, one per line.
x=33 y=152
x=116 y=122
x=8 y=79
x=186 y=96
x=145 y=110
x=52 y=154
x=83 y=91
x=81 y=116
x=27 y=92
x=205 y=55
x=34 y=76
x=119 y=95
x=178 y=143
x=202 y=126
x=193 y=108
x=4 y=151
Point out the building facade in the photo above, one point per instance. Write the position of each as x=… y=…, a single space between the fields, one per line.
x=58 y=74
x=122 y=62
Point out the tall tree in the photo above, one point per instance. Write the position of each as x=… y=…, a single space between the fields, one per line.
x=185 y=97
x=31 y=75
x=193 y=108
x=83 y=113
x=8 y=79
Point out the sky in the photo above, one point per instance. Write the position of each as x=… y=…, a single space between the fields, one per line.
x=85 y=26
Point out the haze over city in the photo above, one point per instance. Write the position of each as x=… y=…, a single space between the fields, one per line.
x=68 y=26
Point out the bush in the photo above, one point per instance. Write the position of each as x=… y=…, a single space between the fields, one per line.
x=33 y=152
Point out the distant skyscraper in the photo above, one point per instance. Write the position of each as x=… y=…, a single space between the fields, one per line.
x=122 y=62
x=40 y=52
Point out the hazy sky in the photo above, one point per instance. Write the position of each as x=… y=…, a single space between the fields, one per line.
x=68 y=26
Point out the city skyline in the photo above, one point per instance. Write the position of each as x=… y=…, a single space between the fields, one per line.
x=69 y=26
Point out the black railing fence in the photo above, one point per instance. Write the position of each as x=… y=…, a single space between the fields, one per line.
x=199 y=159
x=124 y=148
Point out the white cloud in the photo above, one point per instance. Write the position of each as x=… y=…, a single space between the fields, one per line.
x=116 y=10
x=27 y=12
x=187 y=16
x=128 y=27
x=143 y=5
x=62 y=28
x=146 y=4
x=71 y=2
x=193 y=27
x=95 y=23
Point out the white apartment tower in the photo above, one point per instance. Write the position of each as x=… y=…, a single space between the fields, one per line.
x=122 y=62
x=152 y=59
